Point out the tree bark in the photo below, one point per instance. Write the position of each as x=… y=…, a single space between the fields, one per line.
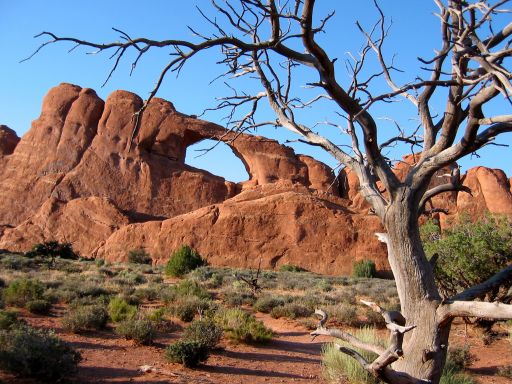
x=425 y=347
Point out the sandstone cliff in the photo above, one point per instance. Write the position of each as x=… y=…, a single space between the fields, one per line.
x=73 y=177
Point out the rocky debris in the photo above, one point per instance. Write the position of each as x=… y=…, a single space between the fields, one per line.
x=78 y=176
x=8 y=140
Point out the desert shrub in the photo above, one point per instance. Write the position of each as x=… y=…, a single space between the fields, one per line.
x=374 y=319
x=37 y=353
x=237 y=297
x=291 y=311
x=187 y=307
x=364 y=269
x=119 y=310
x=505 y=371
x=185 y=288
x=183 y=261
x=243 y=327
x=459 y=358
x=340 y=367
x=187 y=352
x=147 y=293
x=205 y=331
x=7 y=319
x=129 y=278
x=480 y=249
x=21 y=291
x=139 y=328
x=39 y=306
x=17 y=262
x=345 y=314
x=266 y=304
x=324 y=285
x=51 y=250
x=139 y=256
x=291 y=268
x=85 y=318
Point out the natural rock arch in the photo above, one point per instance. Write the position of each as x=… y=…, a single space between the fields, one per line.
x=218 y=158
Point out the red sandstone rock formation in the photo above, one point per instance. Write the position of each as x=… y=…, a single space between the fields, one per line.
x=8 y=140
x=73 y=177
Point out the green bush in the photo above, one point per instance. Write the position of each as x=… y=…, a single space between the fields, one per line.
x=139 y=256
x=53 y=249
x=119 y=310
x=183 y=261
x=459 y=358
x=7 y=319
x=185 y=288
x=290 y=268
x=139 y=328
x=39 y=306
x=238 y=297
x=364 y=269
x=266 y=304
x=187 y=307
x=480 y=249
x=243 y=327
x=187 y=352
x=37 y=353
x=85 y=318
x=21 y=291
x=291 y=311
x=205 y=331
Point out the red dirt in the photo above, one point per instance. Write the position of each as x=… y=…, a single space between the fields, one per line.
x=292 y=357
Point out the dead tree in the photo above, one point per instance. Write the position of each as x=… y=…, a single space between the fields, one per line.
x=276 y=42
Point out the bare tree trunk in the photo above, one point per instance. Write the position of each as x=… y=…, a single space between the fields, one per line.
x=424 y=347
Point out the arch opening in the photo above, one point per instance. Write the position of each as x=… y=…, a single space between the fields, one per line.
x=218 y=158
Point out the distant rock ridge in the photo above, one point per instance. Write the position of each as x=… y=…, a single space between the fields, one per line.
x=72 y=178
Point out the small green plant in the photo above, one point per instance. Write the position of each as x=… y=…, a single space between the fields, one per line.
x=205 y=331
x=85 y=318
x=187 y=352
x=119 y=309
x=139 y=256
x=291 y=268
x=37 y=353
x=242 y=327
x=364 y=269
x=183 y=261
x=21 y=291
x=39 y=306
x=139 y=328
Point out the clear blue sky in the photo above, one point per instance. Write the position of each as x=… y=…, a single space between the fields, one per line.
x=414 y=32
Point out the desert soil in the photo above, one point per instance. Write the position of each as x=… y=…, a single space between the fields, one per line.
x=292 y=357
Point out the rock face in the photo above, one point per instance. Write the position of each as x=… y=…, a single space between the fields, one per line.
x=78 y=176
x=8 y=140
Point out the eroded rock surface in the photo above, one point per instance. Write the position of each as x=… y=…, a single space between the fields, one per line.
x=84 y=174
